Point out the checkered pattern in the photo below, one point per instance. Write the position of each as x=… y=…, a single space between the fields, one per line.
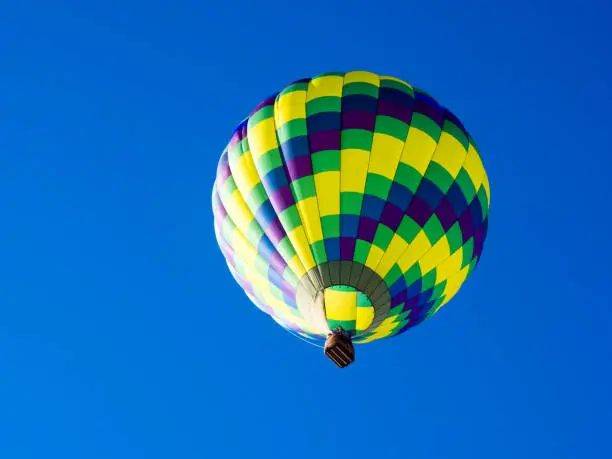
x=351 y=167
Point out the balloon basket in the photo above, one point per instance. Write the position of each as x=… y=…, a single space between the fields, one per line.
x=339 y=349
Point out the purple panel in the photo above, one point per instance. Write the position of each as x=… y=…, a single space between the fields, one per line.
x=347 y=248
x=465 y=223
x=223 y=170
x=219 y=209
x=446 y=214
x=277 y=262
x=398 y=299
x=391 y=216
x=324 y=140
x=478 y=241
x=282 y=199
x=276 y=231
x=430 y=111
x=288 y=289
x=419 y=211
x=395 y=110
x=367 y=229
x=299 y=167
x=355 y=119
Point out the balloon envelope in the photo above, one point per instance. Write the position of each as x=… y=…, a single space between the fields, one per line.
x=353 y=202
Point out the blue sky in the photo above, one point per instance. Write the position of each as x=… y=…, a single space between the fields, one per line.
x=115 y=303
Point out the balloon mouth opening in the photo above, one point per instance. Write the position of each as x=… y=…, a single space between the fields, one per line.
x=343 y=295
x=347 y=309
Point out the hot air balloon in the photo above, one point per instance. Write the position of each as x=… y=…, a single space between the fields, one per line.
x=350 y=207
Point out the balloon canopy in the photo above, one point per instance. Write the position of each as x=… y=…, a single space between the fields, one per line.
x=351 y=205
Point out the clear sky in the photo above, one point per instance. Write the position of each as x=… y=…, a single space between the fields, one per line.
x=122 y=333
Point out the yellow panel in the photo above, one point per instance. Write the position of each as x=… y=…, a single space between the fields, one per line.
x=450 y=266
x=245 y=174
x=362 y=77
x=340 y=305
x=368 y=339
x=296 y=266
x=262 y=137
x=393 y=252
x=365 y=316
x=450 y=154
x=384 y=329
x=353 y=169
x=438 y=253
x=386 y=152
x=325 y=86
x=238 y=211
x=278 y=306
x=474 y=167
x=290 y=106
x=454 y=284
x=243 y=248
x=297 y=236
x=416 y=249
x=328 y=192
x=485 y=184
x=309 y=213
x=374 y=257
x=418 y=150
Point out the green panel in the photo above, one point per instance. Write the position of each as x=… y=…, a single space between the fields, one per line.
x=438 y=290
x=318 y=251
x=360 y=88
x=408 y=176
x=454 y=237
x=331 y=225
x=408 y=229
x=290 y=218
x=412 y=275
x=346 y=325
x=256 y=197
x=360 y=139
x=454 y=130
x=299 y=86
x=253 y=231
x=393 y=275
x=377 y=185
x=482 y=197
x=429 y=280
x=304 y=187
x=466 y=185
x=285 y=248
x=433 y=229
x=327 y=160
x=391 y=126
x=397 y=85
x=350 y=202
x=324 y=104
x=291 y=129
x=268 y=162
x=261 y=115
x=468 y=252
x=362 y=249
x=439 y=176
x=383 y=237
x=363 y=300
x=426 y=125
